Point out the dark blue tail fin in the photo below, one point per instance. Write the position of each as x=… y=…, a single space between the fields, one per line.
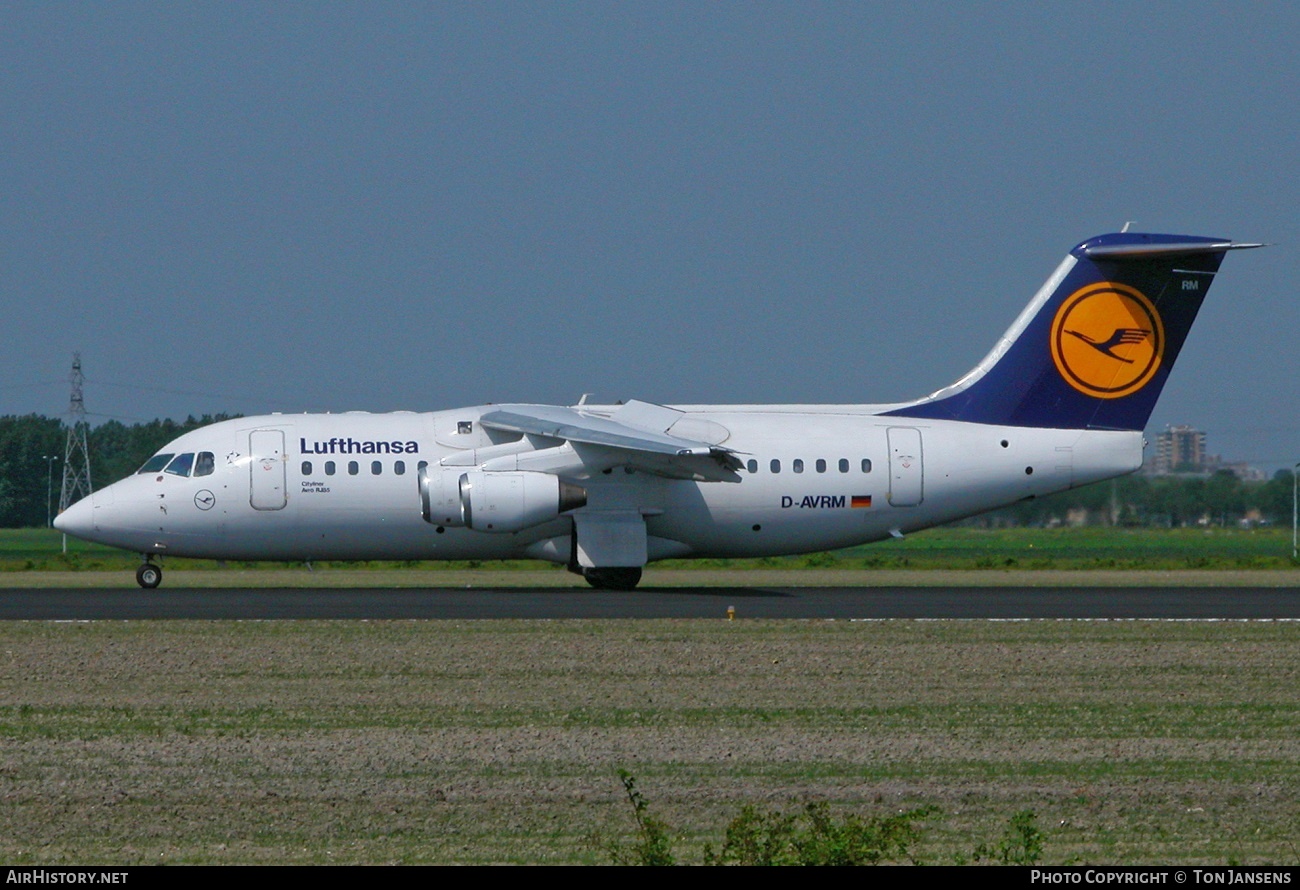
x=1093 y=348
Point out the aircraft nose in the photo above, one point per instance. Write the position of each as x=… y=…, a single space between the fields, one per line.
x=79 y=519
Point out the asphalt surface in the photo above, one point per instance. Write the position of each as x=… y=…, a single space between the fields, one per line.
x=712 y=602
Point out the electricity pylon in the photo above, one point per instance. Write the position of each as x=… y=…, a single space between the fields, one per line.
x=76 y=455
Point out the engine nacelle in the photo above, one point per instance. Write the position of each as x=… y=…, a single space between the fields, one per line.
x=496 y=501
x=440 y=496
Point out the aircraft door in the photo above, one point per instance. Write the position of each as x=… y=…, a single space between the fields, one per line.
x=268 y=469
x=906 y=473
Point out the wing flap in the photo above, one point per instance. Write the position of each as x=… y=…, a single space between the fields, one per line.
x=636 y=433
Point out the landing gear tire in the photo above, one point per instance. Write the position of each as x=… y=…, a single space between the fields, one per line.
x=613 y=578
x=148 y=576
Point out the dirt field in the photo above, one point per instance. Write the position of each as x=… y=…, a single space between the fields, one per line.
x=500 y=741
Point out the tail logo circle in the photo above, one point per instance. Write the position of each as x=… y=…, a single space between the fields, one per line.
x=1107 y=340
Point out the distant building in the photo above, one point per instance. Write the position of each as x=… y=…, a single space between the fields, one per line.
x=1242 y=471
x=1180 y=449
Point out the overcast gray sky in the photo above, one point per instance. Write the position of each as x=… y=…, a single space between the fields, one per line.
x=250 y=207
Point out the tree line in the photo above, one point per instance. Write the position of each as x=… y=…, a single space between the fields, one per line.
x=1178 y=500
x=30 y=482
x=28 y=477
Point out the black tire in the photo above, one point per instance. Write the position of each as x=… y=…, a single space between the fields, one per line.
x=623 y=578
x=148 y=576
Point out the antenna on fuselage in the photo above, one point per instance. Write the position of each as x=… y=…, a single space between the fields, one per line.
x=76 y=454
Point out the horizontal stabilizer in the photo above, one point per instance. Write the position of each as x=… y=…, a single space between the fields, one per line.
x=1152 y=251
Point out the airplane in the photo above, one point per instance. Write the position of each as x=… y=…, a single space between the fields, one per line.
x=604 y=489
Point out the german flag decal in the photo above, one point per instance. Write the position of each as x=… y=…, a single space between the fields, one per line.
x=860 y=500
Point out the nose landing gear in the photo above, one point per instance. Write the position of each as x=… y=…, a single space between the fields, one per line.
x=148 y=575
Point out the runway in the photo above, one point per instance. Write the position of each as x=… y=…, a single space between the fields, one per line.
x=846 y=603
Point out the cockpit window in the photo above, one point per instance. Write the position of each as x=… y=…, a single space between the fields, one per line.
x=155 y=463
x=205 y=464
x=181 y=464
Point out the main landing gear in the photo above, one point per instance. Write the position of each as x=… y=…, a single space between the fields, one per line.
x=602 y=577
x=148 y=575
x=622 y=578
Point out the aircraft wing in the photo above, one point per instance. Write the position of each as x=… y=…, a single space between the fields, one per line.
x=638 y=431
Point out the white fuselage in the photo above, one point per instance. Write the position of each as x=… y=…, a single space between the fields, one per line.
x=345 y=486
x=1058 y=402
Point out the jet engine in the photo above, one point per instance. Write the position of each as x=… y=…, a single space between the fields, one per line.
x=496 y=501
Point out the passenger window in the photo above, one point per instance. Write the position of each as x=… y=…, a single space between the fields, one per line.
x=421 y=465
x=329 y=468
x=866 y=465
x=798 y=465
x=353 y=468
x=752 y=465
x=776 y=465
x=844 y=464
x=156 y=463
x=376 y=468
x=181 y=464
x=399 y=468
x=306 y=468
x=206 y=464
x=821 y=465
